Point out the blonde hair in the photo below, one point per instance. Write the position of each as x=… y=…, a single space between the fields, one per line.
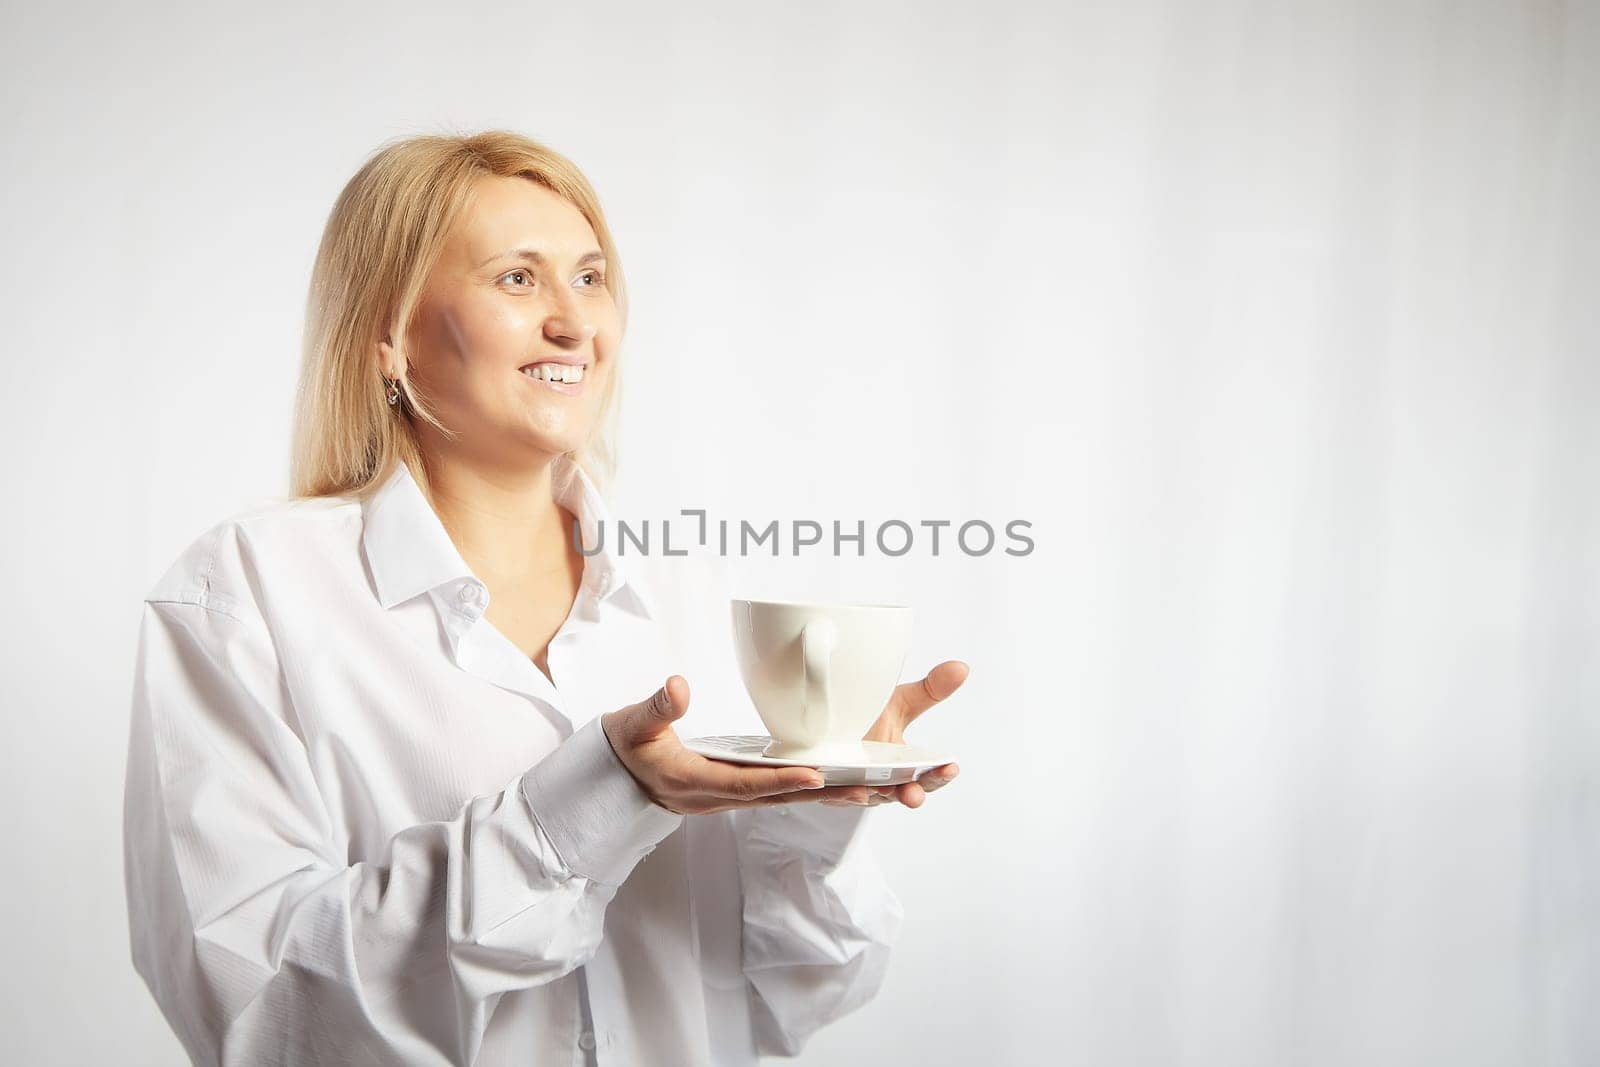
x=381 y=241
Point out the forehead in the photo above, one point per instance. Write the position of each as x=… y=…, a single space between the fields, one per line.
x=507 y=213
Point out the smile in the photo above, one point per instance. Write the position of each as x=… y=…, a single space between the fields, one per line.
x=562 y=378
x=555 y=372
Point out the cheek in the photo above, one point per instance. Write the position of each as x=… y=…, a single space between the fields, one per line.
x=491 y=334
x=608 y=335
x=462 y=337
x=607 y=346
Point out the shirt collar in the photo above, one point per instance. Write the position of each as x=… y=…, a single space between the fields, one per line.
x=410 y=552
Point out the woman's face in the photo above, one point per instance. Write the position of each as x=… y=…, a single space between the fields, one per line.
x=520 y=282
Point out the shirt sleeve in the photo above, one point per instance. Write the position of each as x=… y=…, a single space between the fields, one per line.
x=819 y=919
x=261 y=941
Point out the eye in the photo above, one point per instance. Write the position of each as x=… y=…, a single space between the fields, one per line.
x=599 y=278
x=515 y=273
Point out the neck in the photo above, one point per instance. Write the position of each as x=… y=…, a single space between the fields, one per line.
x=504 y=521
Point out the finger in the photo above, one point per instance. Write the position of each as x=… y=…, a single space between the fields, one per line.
x=861 y=796
x=833 y=796
x=917 y=697
x=912 y=795
x=939 y=777
x=653 y=717
x=748 y=783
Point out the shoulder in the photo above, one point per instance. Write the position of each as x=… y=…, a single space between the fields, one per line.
x=218 y=568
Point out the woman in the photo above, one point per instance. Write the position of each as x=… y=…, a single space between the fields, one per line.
x=403 y=782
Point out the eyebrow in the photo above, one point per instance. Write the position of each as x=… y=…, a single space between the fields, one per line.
x=533 y=256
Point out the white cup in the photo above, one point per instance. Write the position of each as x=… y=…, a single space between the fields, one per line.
x=819 y=674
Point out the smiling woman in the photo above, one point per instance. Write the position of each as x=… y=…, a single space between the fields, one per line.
x=496 y=254
x=400 y=751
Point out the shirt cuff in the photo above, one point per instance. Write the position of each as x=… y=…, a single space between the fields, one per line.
x=823 y=830
x=601 y=823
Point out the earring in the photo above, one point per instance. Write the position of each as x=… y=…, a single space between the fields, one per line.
x=394 y=391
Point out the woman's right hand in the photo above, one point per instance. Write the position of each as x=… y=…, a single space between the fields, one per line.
x=690 y=784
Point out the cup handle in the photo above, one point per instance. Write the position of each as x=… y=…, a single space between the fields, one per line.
x=817 y=639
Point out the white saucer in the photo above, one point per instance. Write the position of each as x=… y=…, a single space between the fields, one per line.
x=885 y=763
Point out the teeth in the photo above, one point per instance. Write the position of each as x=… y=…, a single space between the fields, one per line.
x=554 y=372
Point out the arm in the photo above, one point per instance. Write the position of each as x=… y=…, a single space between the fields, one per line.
x=819 y=919
x=261 y=942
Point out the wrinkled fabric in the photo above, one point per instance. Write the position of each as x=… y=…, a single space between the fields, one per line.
x=362 y=827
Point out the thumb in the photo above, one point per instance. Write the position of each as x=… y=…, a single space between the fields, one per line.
x=666 y=706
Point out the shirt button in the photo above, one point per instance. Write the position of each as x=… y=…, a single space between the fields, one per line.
x=586 y=1041
x=468 y=593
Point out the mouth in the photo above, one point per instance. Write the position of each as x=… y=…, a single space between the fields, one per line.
x=557 y=377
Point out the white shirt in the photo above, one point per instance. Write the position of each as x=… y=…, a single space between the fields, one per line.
x=361 y=826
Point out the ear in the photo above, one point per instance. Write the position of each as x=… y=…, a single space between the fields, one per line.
x=388 y=359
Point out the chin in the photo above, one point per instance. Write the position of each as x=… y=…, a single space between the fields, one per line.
x=552 y=435
x=551 y=444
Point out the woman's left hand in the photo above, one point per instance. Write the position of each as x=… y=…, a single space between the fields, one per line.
x=906 y=703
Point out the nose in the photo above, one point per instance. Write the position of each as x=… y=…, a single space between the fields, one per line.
x=566 y=322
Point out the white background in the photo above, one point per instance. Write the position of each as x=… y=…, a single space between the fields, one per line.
x=1277 y=321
